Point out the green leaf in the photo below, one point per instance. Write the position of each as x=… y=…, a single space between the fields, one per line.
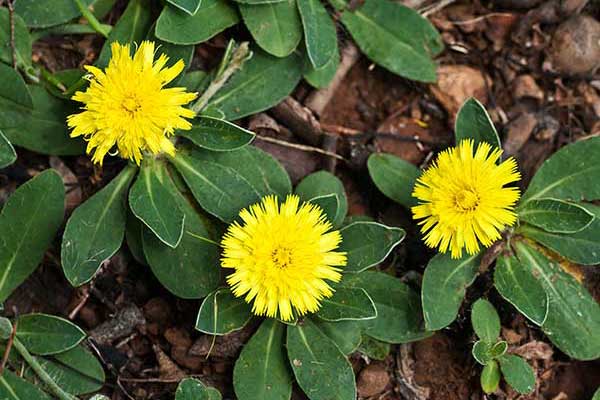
x=41 y=14
x=13 y=93
x=42 y=129
x=596 y=394
x=222 y=313
x=556 y=216
x=189 y=6
x=484 y=351
x=7 y=152
x=15 y=388
x=481 y=352
x=319 y=32
x=485 y=320
x=323 y=183
x=44 y=334
x=352 y=304
x=28 y=223
x=190 y=270
x=275 y=27
x=95 y=230
x=473 y=122
x=22 y=39
x=368 y=243
x=346 y=334
x=517 y=285
x=582 y=247
x=572 y=173
x=131 y=29
x=193 y=389
x=573 y=319
x=5 y=328
x=394 y=177
x=213 y=17
x=517 y=373
x=490 y=377
x=398 y=307
x=76 y=371
x=133 y=237
x=445 y=282
x=266 y=176
x=373 y=348
x=329 y=204
x=262 y=83
x=156 y=206
x=261 y=370
x=217 y=135
x=320 y=368
x=395 y=37
x=220 y=190
x=322 y=77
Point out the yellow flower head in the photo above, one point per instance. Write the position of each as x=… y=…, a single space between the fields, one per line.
x=127 y=106
x=463 y=200
x=282 y=256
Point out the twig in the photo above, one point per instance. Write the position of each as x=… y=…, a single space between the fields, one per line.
x=91 y=19
x=435 y=7
x=299 y=119
x=11 y=17
x=300 y=147
x=9 y=345
x=240 y=55
x=41 y=372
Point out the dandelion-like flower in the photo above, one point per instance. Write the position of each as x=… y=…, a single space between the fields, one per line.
x=283 y=256
x=463 y=198
x=127 y=106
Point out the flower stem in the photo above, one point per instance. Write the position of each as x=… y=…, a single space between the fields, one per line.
x=239 y=56
x=43 y=375
x=94 y=23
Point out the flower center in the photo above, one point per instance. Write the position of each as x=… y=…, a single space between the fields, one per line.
x=282 y=257
x=130 y=104
x=467 y=200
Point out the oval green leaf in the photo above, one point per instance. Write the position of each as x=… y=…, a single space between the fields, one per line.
x=193 y=389
x=261 y=370
x=490 y=377
x=346 y=334
x=394 y=177
x=324 y=183
x=44 y=334
x=211 y=18
x=368 y=243
x=320 y=368
x=557 y=216
x=322 y=77
x=156 y=206
x=519 y=287
x=41 y=14
x=222 y=313
x=473 y=122
x=445 y=282
x=347 y=304
x=95 y=230
x=217 y=135
x=28 y=223
x=398 y=308
x=275 y=27
x=394 y=36
x=262 y=83
x=517 y=373
x=572 y=173
x=320 y=35
x=485 y=320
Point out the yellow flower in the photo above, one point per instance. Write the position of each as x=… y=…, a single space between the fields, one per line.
x=127 y=106
x=282 y=256
x=463 y=200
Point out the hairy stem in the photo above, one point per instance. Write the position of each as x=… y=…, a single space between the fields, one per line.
x=239 y=56
x=91 y=18
x=43 y=375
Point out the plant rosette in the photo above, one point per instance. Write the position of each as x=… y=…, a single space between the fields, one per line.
x=299 y=269
x=470 y=211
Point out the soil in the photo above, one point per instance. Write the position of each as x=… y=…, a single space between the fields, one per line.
x=497 y=51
